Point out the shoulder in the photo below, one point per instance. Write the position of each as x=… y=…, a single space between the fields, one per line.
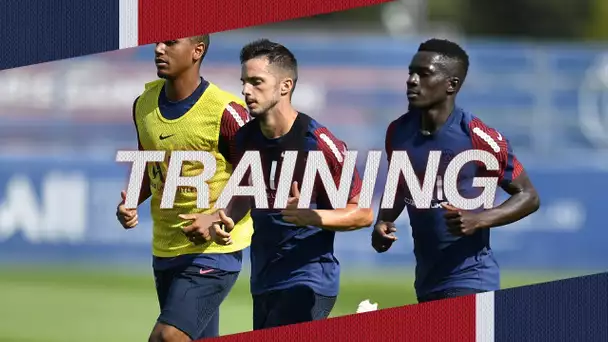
x=134 y=110
x=483 y=135
x=135 y=103
x=245 y=131
x=233 y=108
x=402 y=120
x=227 y=96
x=235 y=112
x=250 y=126
x=153 y=86
x=320 y=132
x=401 y=123
x=327 y=141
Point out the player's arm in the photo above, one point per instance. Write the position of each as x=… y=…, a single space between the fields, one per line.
x=128 y=218
x=383 y=234
x=392 y=214
x=207 y=226
x=523 y=200
x=342 y=219
x=234 y=117
x=351 y=217
x=145 y=191
x=345 y=219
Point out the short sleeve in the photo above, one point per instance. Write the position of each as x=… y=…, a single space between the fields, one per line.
x=234 y=117
x=237 y=150
x=334 y=151
x=491 y=140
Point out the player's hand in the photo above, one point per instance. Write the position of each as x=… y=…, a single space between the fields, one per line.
x=198 y=232
x=383 y=236
x=220 y=231
x=299 y=217
x=127 y=217
x=460 y=222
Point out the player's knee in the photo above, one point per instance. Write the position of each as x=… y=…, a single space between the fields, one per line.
x=167 y=333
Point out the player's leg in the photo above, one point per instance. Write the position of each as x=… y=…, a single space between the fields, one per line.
x=163 y=332
x=192 y=303
x=162 y=281
x=261 y=303
x=213 y=327
x=167 y=333
x=448 y=293
x=298 y=304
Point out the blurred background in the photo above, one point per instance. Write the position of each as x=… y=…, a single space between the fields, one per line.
x=539 y=73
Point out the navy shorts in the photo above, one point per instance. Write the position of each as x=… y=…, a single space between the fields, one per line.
x=190 y=298
x=290 y=306
x=449 y=293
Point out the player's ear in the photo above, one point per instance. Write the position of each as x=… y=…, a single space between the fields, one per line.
x=286 y=86
x=199 y=51
x=453 y=85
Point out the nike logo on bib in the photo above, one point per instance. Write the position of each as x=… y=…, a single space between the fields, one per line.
x=163 y=137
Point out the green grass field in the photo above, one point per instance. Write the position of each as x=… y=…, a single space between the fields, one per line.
x=63 y=305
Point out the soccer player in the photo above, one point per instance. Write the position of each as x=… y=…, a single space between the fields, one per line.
x=183 y=111
x=451 y=246
x=294 y=273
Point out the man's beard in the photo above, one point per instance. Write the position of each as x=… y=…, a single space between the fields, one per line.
x=262 y=112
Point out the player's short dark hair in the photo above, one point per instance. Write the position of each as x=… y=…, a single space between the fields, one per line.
x=205 y=39
x=276 y=54
x=449 y=50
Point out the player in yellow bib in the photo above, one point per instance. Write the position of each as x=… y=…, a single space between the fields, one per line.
x=183 y=111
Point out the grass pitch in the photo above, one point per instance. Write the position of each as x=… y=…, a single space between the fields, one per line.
x=74 y=304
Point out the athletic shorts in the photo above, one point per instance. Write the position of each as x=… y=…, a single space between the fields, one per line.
x=290 y=306
x=190 y=298
x=449 y=293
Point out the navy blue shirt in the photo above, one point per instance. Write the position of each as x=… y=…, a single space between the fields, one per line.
x=231 y=262
x=284 y=255
x=443 y=260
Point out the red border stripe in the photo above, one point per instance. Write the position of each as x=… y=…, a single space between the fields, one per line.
x=161 y=20
x=446 y=320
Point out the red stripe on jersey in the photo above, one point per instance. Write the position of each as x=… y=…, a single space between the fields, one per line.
x=518 y=168
x=483 y=137
x=332 y=148
x=234 y=117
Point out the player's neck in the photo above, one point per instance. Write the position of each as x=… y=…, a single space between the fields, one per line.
x=181 y=87
x=434 y=118
x=278 y=121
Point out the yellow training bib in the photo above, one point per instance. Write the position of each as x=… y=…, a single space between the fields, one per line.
x=196 y=130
